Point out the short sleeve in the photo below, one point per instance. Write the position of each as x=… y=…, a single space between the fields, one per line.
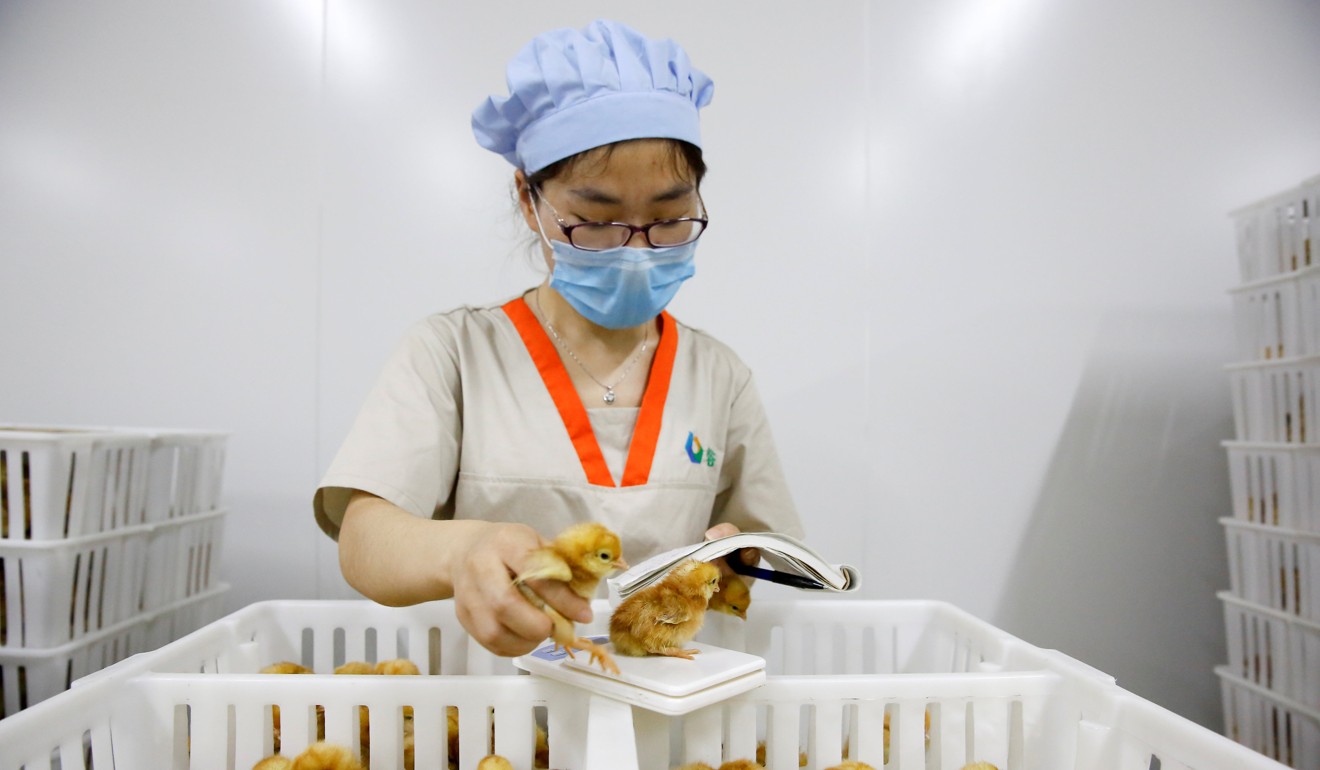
x=753 y=493
x=404 y=444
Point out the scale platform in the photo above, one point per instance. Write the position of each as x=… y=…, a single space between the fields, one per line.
x=662 y=684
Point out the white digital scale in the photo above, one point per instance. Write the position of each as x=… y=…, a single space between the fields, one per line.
x=663 y=684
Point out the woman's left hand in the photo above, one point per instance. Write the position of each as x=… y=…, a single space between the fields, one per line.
x=749 y=556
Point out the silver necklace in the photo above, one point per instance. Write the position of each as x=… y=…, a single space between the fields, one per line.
x=609 y=389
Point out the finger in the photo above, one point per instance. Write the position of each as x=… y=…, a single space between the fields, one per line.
x=505 y=625
x=518 y=616
x=750 y=556
x=723 y=529
x=562 y=598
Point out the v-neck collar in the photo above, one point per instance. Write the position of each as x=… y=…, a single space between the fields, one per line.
x=646 y=435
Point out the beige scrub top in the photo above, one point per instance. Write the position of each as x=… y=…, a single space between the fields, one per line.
x=475 y=417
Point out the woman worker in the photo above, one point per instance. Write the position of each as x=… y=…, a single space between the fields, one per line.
x=492 y=428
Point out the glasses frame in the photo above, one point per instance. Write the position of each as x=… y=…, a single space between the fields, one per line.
x=645 y=230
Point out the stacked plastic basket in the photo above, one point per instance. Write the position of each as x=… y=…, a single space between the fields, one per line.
x=1271 y=684
x=899 y=685
x=109 y=546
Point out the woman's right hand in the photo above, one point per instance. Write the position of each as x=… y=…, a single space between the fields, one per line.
x=492 y=609
x=399 y=559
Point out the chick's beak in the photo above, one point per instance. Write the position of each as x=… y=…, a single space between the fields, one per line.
x=619 y=563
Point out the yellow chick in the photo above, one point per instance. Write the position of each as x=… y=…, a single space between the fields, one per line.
x=397 y=667
x=664 y=616
x=542 y=756
x=802 y=755
x=581 y=556
x=326 y=756
x=979 y=766
x=356 y=668
x=277 y=762
x=394 y=667
x=849 y=764
x=494 y=762
x=741 y=764
x=733 y=598
x=287 y=667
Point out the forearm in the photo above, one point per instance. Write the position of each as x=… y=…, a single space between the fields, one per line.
x=396 y=558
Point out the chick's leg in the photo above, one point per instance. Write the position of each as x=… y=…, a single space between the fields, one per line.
x=564 y=634
x=678 y=652
x=598 y=653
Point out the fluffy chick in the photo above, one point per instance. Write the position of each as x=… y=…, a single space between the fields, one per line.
x=541 y=759
x=397 y=667
x=494 y=762
x=581 y=556
x=733 y=598
x=356 y=668
x=277 y=762
x=326 y=756
x=741 y=764
x=802 y=755
x=664 y=616
x=849 y=764
x=394 y=667
x=287 y=667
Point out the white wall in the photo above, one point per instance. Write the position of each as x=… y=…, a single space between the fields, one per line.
x=976 y=252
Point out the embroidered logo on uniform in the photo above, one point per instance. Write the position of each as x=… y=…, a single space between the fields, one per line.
x=696 y=453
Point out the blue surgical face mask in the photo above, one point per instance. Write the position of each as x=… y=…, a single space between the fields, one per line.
x=620 y=287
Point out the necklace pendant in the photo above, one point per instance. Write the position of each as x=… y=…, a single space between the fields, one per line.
x=609 y=396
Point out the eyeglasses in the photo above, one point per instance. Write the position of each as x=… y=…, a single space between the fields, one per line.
x=602 y=236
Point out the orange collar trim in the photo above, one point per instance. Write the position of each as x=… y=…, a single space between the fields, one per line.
x=646 y=433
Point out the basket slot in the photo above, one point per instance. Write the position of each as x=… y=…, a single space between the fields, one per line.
x=430 y=735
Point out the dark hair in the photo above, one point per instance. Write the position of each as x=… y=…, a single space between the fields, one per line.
x=685 y=157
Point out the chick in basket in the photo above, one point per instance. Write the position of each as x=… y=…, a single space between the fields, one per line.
x=664 y=616
x=393 y=667
x=288 y=667
x=318 y=756
x=581 y=556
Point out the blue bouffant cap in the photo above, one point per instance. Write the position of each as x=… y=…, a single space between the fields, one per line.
x=571 y=90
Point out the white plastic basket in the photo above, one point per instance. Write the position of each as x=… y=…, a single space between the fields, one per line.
x=187 y=468
x=815 y=637
x=57 y=591
x=1277 y=401
x=1273 y=649
x=1269 y=723
x=182 y=558
x=67 y=482
x=29 y=676
x=1275 y=484
x=1274 y=567
x=1279 y=234
x=1278 y=317
x=1052 y=717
